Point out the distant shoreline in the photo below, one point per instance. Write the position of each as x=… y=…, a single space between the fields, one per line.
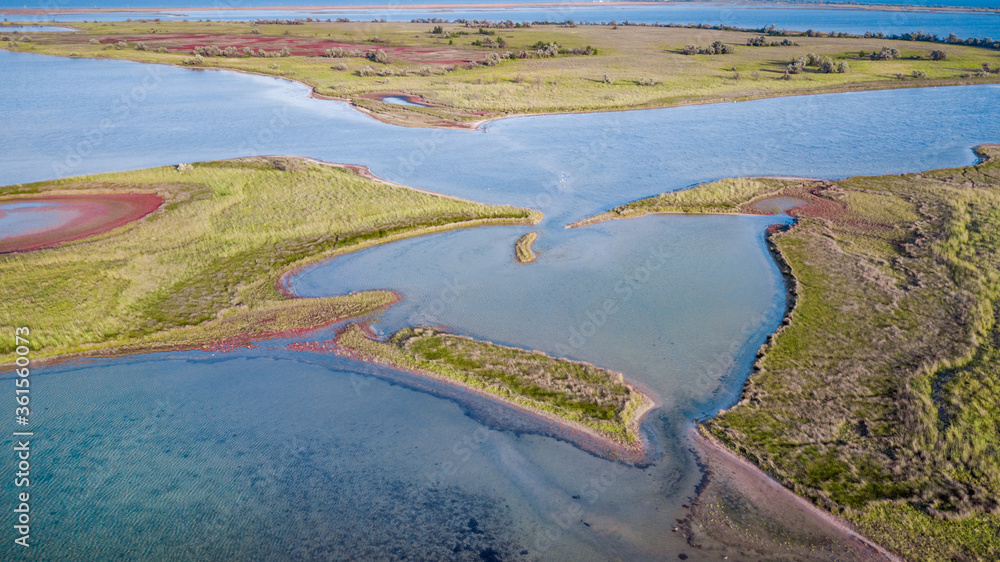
x=359 y=7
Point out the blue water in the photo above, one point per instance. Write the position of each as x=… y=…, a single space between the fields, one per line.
x=401 y=101
x=271 y=454
x=801 y=18
x=32 y=28
x=18 y=219
x=125 y=4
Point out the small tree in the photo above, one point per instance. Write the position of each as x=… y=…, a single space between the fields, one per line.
x=939 y=55
x=438 y=30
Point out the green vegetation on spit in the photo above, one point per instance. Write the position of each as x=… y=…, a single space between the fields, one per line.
x=579 y=393
x=879 y=398
x=468 y=74
x=522 y=248
x=203 y=268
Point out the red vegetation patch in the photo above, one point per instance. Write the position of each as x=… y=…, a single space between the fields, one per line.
x=97 y=213
x=298 y=46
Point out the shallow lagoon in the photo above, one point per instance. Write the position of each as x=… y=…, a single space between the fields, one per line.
x=267 y=453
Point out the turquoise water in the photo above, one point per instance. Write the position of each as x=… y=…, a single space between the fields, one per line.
x=800 y=18
x=271 y=454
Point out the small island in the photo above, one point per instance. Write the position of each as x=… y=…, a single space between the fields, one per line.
x=596 y=401
x=877 y=399
x=522 y=248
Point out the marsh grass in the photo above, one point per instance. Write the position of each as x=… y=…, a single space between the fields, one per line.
x=577 y=392
x=206 y=263
x=647 y=63
x=522 y=248
x=880 y=400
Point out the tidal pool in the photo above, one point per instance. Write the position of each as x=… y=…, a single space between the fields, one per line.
x=271 y=454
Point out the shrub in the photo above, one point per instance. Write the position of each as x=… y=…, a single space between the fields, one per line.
x=812 y=60
x=919 y=74
x=719 y=48
x=886 y=53
x=438 y=30
x=335 y=52
x=121 y=45
x=826 y=65
x=366 y=71
x=161 y=50
x=689 y=50
x=230 y=52
x=92 y=41
x=140 y=46
x=646 y=82
x=492 y=59
x=193 y=60
x=339 y=66
x=25 y=39
x=843 y=67
x=285 y=52
x=255 y=31
x=377 y=55
x=939 y=55
x=797 y=66
x=549 y=50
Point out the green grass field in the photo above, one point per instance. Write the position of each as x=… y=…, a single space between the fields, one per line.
x=203 y=268
x=635 y=67
x=880 y=400
x=576 y=392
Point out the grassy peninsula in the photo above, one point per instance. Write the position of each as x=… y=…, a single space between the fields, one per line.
x=203 y=267
x=522 y=248
x=879 y=399
x=581 y=394
x=469 y=72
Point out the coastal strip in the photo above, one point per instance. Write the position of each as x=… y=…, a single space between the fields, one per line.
x=590 y=400
x=204 y=268
x=876 y=399
x=465 y=76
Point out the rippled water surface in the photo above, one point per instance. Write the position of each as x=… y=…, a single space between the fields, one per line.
x=271 y=454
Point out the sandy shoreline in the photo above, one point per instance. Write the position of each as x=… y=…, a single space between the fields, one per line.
x=725 y=467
